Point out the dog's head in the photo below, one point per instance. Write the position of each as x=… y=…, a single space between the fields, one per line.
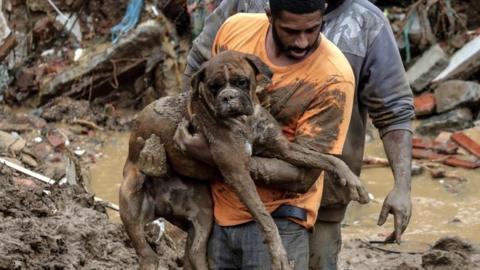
x=227 y=83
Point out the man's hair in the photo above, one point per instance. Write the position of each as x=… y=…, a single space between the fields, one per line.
x=297 y=6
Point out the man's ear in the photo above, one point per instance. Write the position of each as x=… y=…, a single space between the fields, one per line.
x=268 y=12
x=263 y=73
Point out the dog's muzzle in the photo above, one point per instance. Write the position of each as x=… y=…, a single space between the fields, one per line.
x=233 y=102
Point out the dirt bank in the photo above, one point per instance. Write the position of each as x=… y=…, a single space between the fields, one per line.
x=61 y=228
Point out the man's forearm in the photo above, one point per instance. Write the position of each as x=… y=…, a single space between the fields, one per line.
x=398 y=147
x=282 y=175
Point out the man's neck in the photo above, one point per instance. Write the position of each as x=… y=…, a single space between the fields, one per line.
x=277 y=56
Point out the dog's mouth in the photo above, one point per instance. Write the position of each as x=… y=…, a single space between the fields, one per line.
x=232 y=103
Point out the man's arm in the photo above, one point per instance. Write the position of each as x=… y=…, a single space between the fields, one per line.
x=389 y=100
x=398 y=147
x=269 y=172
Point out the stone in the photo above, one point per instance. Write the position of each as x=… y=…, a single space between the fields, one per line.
x=424 y=104
x=9 y=142
x=427 y=68
x=25 y=78
x=456 y=93
x=463 y=63
x=451 y=121
x=30 y=161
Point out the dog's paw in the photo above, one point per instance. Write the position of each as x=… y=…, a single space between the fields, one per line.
x=152 y=160
x=355 y=186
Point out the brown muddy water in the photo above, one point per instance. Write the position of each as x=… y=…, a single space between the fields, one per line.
x=440 y=208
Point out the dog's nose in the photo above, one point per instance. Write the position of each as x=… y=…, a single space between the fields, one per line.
x=227 y=97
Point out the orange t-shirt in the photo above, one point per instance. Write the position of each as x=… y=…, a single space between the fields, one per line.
x=312 y=101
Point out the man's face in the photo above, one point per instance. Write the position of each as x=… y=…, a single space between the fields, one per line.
x=296 y=34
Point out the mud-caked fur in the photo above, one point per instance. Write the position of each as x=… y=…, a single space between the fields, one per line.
x=223 y=105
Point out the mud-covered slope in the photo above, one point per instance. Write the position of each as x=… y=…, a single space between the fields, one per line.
x=60 y=229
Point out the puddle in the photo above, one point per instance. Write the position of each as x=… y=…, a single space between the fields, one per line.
x=437 y=211
x=106 y=173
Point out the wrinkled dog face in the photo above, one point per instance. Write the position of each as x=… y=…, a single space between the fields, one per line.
x=231 y=91
x=227 y=83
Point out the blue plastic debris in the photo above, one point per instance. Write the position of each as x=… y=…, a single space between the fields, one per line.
x=131 y=18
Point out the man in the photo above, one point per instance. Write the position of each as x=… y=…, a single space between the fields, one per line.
x=314 y=110
x=362 y=33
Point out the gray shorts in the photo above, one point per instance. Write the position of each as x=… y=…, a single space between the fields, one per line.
x=242 y=247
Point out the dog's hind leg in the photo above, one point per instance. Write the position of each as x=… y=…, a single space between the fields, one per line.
x=135 y=212
x=197 y=241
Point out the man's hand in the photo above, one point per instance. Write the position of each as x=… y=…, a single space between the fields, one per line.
x=398 y=147
x=194 y=145
x=399 y=204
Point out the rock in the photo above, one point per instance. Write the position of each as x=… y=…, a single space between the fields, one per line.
x=463 y=63
x=452 y=94
x=9 y=142
x=416 y=169
x=30 y=161
x=424 y=104
x=452 y=121
x=25 y=78
x=454 y=243
x=427 y=68
x=444 y=260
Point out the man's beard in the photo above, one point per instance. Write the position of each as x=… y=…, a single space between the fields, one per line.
x=287 y=49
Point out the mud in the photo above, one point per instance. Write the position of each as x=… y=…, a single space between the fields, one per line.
x=448 y=253
x=62 y=228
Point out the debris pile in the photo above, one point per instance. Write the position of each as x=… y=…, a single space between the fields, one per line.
x=440 y=44
x=64 y=48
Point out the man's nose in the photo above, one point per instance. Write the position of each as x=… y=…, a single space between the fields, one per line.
x=301 y=41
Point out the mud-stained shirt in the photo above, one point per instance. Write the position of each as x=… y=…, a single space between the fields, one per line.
x=312 y=101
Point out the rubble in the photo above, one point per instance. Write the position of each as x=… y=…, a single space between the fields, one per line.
x=136 y=54
x=456 y=93
x=463 y=63
x=457 y=119
x=427 y=68
x=466 y=142
x=424 y=104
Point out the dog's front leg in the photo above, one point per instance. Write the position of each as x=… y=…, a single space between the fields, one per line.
x=135 y=212
x=235 y=171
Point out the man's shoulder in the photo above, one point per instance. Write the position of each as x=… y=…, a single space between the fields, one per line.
x=244 y=19
x=334 y=62
x=355 y=26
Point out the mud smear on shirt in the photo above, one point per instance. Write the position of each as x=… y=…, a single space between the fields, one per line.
x=319 y=132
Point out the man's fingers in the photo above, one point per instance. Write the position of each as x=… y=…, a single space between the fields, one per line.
x=398 y=222
x=383 y=215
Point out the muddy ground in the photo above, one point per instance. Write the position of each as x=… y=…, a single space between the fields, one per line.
x=60 y=227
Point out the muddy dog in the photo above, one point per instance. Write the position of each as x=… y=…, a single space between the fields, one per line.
x=224 y=106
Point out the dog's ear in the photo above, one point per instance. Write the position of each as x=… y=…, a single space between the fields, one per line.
x=263 y=73
x=195 y=83
x=197 y=78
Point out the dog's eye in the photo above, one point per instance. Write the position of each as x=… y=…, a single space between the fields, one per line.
x=214 y=87
x=242 y=83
